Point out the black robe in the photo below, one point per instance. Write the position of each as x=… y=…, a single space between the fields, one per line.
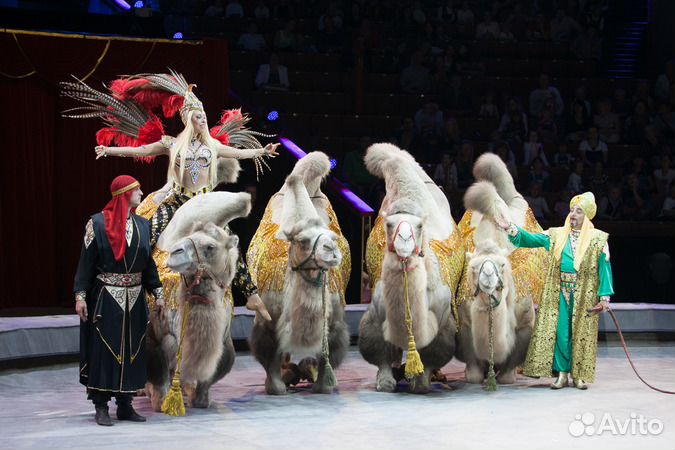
x=112 y=341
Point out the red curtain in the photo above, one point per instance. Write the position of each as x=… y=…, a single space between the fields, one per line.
x=50 y=180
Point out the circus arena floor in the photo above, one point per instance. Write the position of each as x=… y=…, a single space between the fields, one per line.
x=46 y=408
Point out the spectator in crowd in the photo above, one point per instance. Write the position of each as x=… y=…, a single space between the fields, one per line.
x=465 y=16
x=620 y=103
x=332 y=18
x=456 y=98
x=539 y=29
x=633 y=201
x=488 y=109
x=564 y=28
x=544 y=93
x=418 y=15
x=664 y=175
x=234 y=10
x=577 y=123
x=642 y=94
x=285 y=38
x=272 y=76
x=593 y=149
x=261 y=11
x=283 y=10
x=439 y=76
x=533 y=149
x=607 y=122
x=513 y=124
x=451 y=139
x=581 y=96
x=611 y=205
x=562 y=158
x=331 y=38
x=505 y=33
x=562 y=205
x=538 y=174
x=645 y=178
x=407 y=137
x=415 y=79
x=538 y=202
x=354 y=170
x=215 y=10
x=668 y=208
x=664 y=89
x=252 y=41
x=503 y=150
x=575 y=182
x=488 y=28
x=639 y=125
x=664 y=123
x=588 y=46
x=598 y=181
x=464 y=165
x=546 y=124
x=445 y=173
x=447 y=13
x=429 y=124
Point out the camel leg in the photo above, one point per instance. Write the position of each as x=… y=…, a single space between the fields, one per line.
x=507 y=373
x=199 y=397
x=377 y=351
x=265 y=348
x=474 y=372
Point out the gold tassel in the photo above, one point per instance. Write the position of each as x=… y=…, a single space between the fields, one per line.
x=413 y=364
x=173 y=404
x=491 y=384
x=329 y=377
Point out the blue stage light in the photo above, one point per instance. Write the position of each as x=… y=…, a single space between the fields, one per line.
x=178 y=35
x=272 y=116
x=333 y=163
x=139 y=4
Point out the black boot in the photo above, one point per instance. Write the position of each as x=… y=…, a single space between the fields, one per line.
x=127 y=412
x=102 y=416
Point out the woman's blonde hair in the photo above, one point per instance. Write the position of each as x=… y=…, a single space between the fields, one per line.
x=181 y=145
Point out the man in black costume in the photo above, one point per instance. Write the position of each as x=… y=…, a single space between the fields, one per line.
x=115 y=270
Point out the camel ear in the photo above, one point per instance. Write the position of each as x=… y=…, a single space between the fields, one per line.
x=232 y=241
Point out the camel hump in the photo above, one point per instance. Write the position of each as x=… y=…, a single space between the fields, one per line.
x=490 y=167
x=377 y=155
x=313 y=166
x=481 y=196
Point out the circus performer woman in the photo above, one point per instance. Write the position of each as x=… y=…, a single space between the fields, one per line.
x=199 y=158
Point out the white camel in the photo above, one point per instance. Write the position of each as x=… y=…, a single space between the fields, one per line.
x=305 y=306
x=490 y=279
x=411 y=304
x=205 y=255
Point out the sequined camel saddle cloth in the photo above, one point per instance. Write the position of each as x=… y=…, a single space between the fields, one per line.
x=120 y=279
x=568 y=282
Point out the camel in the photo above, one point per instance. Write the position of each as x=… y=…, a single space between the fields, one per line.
x=420 y=317
x=489 y=277
x=297 y=258
x=204 y=253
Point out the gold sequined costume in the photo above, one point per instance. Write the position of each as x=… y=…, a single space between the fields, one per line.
x=267 y=256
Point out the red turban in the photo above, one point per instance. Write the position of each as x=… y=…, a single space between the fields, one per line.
x=115 y=213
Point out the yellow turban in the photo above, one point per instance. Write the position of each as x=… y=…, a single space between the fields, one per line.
x=586 y=202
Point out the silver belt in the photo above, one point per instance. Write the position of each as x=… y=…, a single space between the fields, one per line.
x=121 y=279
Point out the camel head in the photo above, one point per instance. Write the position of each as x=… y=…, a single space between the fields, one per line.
x=312 y=245
x=489 y=268
x=404 y=224
x=209 y=247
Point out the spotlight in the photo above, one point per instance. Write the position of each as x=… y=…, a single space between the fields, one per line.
x=272 y=116
x=333 y=163
x=139 y=4
x=178 y=35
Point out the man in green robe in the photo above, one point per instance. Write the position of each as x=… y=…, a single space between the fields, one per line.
x=578 y=279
